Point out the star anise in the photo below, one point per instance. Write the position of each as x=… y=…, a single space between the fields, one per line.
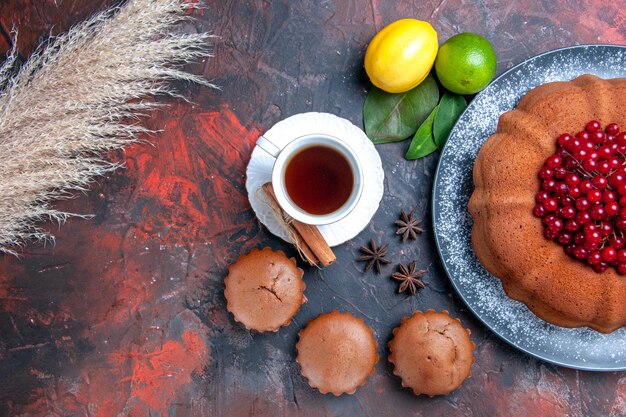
x=408 y=226
x=409 y=277
x=375 y=256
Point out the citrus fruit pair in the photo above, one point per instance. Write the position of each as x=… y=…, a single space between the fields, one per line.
x=402 y=54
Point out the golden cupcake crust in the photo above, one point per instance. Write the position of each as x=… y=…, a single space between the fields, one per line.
x=431 y=352
x=336 y=353
x=264 y=289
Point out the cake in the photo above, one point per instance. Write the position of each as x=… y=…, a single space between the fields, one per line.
x=264 y=289
x=431 y=353
x=336 y=353
x=536 y=266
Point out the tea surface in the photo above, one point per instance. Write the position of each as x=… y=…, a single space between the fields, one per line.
x=319 y=180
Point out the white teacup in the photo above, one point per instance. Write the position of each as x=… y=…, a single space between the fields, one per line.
x=283 y=157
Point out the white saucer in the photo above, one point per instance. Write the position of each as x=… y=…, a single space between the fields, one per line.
x=260 y=171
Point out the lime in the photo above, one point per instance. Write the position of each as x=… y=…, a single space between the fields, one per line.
x=466 y=63
x=401 y=55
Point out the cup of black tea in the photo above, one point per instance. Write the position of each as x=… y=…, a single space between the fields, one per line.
x=317 y=178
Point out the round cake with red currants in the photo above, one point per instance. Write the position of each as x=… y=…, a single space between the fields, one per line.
x=549 y=203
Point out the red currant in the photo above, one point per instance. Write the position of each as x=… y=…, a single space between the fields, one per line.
x=589 y=228
x=565 y=200
x=605 y=152
x=606 y=229
x=565 y=237
x=600 y=182
x=591 y=148
x=541 y=196
x=616 y=242
x=550 y=204
x=620 y=223
x=611 y=209
x=608 y=254
x=604 y=167
x=594 y=258
x=616 y=179
x=601 y=267
x=571 y=179
x=614 y=146
x=594 y=236
x=612 y=129
x=597 y=212
x=598 y=137
x=560 y=188
x=615 y=162
x=582 y=197
x=580 y=252
x=545 y=173
x=593 y=126
x=567 y=212
x=585 y=186
x=550 y=234
x=582 y=204
x=556 y=225
x=608 y=196
x=547 y=219
x=591 y=246
x=549 y=185
x=581 y=154
x=539 y=211
x=575 y=192
x=559 y=173
x=583 y=217
x=572 y=225
x=594 y=196
x=554 y=161
x=590 y=165
x=582 y=135
x=570 y=163
x=564 y=139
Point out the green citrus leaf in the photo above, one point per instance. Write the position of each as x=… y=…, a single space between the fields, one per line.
x=450 y=108
x=394 y=117
x=423 y=143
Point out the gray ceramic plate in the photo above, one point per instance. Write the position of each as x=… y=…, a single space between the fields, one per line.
x=512 y=321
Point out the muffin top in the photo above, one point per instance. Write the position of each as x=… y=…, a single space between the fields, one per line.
x=336 y=352
x=264 y=289
x=431 y=352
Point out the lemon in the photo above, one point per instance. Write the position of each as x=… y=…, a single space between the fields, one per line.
x=466 y=63
x=401 y=55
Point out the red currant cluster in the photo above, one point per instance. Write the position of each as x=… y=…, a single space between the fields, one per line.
x=582 y=200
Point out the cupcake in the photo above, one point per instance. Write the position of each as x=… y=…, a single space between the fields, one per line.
x=336 y=353
x=431 y=352
x=264 y=289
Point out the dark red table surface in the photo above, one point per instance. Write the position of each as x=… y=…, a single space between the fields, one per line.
x=125 y=314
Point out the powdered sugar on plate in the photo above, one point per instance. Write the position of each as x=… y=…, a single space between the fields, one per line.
x=576 y=348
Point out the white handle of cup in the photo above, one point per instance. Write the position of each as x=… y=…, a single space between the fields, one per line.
x=268 y=146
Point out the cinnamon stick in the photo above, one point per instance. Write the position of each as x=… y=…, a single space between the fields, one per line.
x=306 y=252
x=310 y=236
